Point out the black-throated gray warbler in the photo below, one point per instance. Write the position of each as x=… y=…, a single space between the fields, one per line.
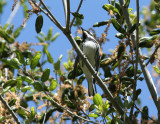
x=90 y=48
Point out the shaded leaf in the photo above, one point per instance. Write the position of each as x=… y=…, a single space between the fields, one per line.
x=11 y=83
x=117 y=26
x=156 y=69
x=6 y=36
x=144 y=114
x=25 y=88
x=98 y=24
x=126 y=3
x=147 y=42
x=120 y=35
x=12 y=102
x=155 y=31
x=55 y=37
x=78 y=15
x=57 y=64
x=45 y=75
x=38 y=86
x=17 y=32
x=20 y=56
x=39 y=23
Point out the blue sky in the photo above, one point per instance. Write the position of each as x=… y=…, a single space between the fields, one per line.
x=93 y=12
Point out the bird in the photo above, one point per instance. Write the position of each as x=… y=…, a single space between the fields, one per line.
x=91 y=49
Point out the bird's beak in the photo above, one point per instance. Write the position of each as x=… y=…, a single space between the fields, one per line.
x=82 y=29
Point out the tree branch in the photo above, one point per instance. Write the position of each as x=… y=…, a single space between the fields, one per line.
x=49 y=12
x=57 y=104
x=77 y=12
x=65 y=9
x=145 y=71
x=9 y=109
x=68 y=15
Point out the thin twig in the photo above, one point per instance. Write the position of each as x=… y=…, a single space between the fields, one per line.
x=9 y=109
x=56 y=22
x=65 y=9
x=68 y=15
x=153 y=54
x=146 y=73
x=77 y=12
x=63 y=108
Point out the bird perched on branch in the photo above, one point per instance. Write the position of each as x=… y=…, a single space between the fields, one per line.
x=91 y=49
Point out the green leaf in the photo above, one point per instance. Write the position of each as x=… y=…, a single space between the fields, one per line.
x=49 y=57
x=57 y=64
x=11 y=83
x=49 y=35
x=91 y=108
x=40 y=39
x=78 y=15
x=2 y=118
x=93 y=115
x=6 y=90
x=117 y=26
x=6 y=36
x=120 y=35
x=130 y=71
x=53 y=84
x=97 y=99
x=132 y=28
x=147 y=42
x=155 y=31
x=38 y=86
x=12 y=102
x=35 y=60
x=121 y=50
x=98 y=24
x=25 y=88
x=2 y=45
x=156 y=69
x=55 y=37
x=109 y=7
x=12 y=62
x=32 y=112
x=45 y=75
x=39 y=23
x=26 y=78
x=17 y=32
x=20 y=56
x=138 y=92
x=126 y=3
x=81 y=79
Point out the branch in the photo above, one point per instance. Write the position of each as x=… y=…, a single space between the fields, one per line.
x=9 y=109
x=65 y=9
x=57 y=104
x=77 y=12
x=68 y=15
x=51 y=15
x=145 y=71
x=98 y=79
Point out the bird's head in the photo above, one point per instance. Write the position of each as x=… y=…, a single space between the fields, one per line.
x=86 y=34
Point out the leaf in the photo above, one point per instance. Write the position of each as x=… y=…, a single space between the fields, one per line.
x=78 y=15
x=92 y=107
x=12 y=102
x=26 y=79
x=155 y=31
x=53 y=84
x=130 y=71
x=6 y=90
x=98 y=24
x=97 y=99
x=11 y=82
x=145 y=113
x=2 y=45
x=32 y=113
x=17 y=32
x=81 y=79
x=156 y=69
x=12 y=62
x=55 y=37
x=39 y=23
x=147 y=42
x=93 y=115
x=117 y=26
x=121 y=50
x=25 y=88
x=49 y=57
x=2 y=118
x=6 y=36
x=120 y=35
x=132 y=28
x=40 y=39
x=49 y=35
x=126 y=3
x=38 y=86
x=138 y=92
x=20 y=56
x=109 y=7
x=45 y=75
x=35 y=60
x=57 y=64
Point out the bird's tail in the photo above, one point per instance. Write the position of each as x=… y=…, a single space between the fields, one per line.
x=90 y=85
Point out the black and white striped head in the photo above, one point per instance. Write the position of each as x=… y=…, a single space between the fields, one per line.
x=87 y=34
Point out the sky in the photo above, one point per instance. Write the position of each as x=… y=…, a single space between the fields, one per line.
x=93 y=12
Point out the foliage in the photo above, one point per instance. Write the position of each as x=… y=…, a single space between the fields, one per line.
x=24 y=79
